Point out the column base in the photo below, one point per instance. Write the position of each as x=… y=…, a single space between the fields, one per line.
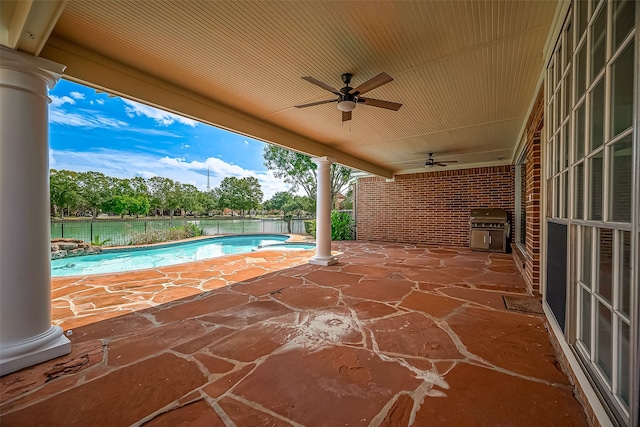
x=46 y=346
x=324 y=261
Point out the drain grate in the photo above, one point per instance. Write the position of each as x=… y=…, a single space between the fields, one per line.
x=524 y=304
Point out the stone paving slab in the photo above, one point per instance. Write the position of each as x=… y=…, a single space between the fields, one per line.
x=392 y=335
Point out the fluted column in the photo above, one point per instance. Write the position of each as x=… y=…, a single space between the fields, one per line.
x=323 y=213
x=26 y=334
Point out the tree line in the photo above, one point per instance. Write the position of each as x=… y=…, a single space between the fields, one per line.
x=91 y=192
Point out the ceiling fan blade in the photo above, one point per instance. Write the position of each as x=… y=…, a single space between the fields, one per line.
x=346 y=116
x=315 y=103
x=380 y=103
x=372 y=83
x=323 y=85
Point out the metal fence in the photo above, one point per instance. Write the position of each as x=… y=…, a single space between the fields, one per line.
x=115 y=232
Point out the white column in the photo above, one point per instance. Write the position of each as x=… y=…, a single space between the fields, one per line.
x=26 y=334
x=323 y=213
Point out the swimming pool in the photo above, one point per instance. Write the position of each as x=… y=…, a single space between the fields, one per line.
x=117 y=260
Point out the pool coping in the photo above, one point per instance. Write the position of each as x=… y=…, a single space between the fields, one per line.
x=161 y=245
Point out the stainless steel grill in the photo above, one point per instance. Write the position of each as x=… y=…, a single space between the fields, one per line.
x=489 y=230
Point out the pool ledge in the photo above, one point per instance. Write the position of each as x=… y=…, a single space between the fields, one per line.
x=293 y=238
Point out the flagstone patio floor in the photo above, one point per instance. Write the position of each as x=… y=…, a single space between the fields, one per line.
x=392 y=335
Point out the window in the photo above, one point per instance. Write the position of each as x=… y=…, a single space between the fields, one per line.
x=593 y=186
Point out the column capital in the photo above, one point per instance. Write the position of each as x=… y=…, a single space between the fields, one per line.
x=323 y=160
x=48 y=71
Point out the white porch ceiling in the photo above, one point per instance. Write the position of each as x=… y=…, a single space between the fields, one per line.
x=465 y=71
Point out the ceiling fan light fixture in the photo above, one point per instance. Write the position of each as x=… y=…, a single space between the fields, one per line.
x=346 y=105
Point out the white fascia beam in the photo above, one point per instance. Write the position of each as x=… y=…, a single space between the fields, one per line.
x=101 y=73
x=28 y=24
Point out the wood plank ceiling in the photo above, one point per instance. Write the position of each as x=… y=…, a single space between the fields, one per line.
x=465 y=71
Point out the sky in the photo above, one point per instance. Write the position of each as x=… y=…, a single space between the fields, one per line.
x=89 y=131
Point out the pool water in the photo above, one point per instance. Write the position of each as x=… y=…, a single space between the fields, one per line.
x=114 y=261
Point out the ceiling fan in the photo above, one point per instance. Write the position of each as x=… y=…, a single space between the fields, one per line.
x=349 y=97
x=430 y=162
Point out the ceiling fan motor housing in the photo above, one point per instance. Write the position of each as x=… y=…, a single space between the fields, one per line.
x=347 y=101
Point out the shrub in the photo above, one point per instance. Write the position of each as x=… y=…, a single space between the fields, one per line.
x=341 y=226
x=97 y=242
x=148 y=237
x=310 y=227
x=192 y=230
x=166 y=235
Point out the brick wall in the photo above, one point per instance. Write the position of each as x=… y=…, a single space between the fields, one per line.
x=430 y=207
x=531 y=257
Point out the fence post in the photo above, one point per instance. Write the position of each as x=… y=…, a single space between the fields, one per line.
x=145 y=226
x=62 y=230
x=91 y=231
x=243 y=225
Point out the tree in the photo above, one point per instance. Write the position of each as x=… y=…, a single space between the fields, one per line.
x=120 y=186
x=300 y=171
x=94 y=190
x=294 y=206
x=348 y=201
x=289 y=205
x=139 y=186
x=278 y=201
x=210 y=200
x=250 y=194
x=118 y=204
x=240 y=194
x=174 y=196
x=121 y=204
x=304 y=204
x=189 y=198
x=63 y=190
x=114 y=202
x=162 y=194
x=139 y=205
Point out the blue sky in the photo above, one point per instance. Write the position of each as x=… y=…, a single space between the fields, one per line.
x=90 y=131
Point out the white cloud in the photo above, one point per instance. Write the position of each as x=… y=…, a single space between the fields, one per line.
x=57 y=101
x=93 y=119
x=85 y=120
x=77 y=95
x=100 y=101
x=155 y=132
x=127 y=165
x=164 y=118
x=246 y=142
